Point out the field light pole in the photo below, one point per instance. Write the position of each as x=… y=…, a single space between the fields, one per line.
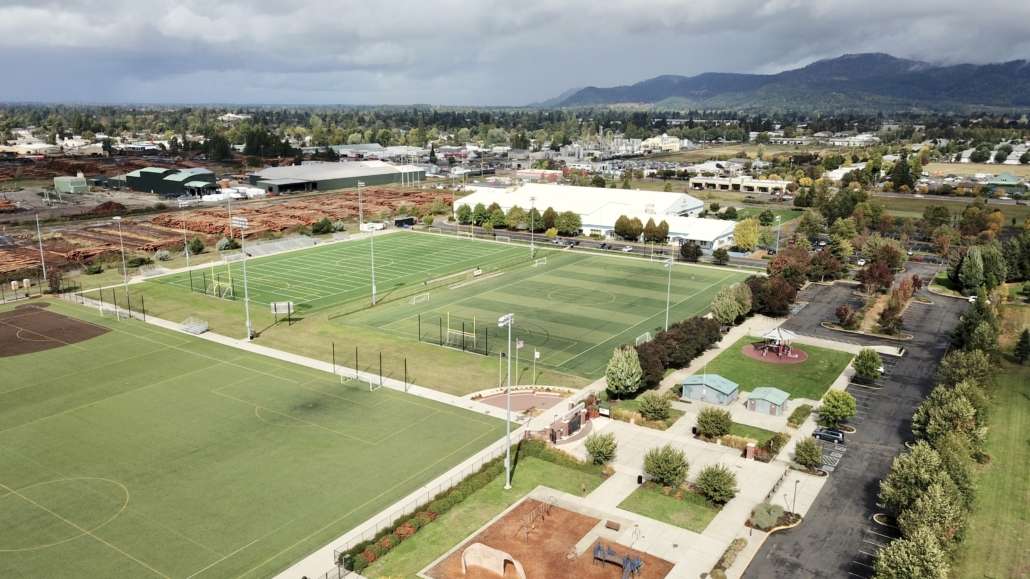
x=777 y=235
x=39 y=236
x=532 y=225
x=506 y=321
x=125 y=270
x=242 y=224
x=668 y=292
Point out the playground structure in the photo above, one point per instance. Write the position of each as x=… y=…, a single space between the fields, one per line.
x=537 y=515
x=493 y=560
x=631 y=566
x=777 y=346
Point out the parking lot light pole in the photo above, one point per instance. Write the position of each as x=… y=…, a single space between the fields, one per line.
x=777 y=235
x=506 y=321
x=532 y=225
x=794 y=508
x=42 y=260
x=125 y=270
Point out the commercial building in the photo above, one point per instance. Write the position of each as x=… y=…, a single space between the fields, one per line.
x=599 y=208
x=328 y=176
x=171 y=182
x=743 y=184
x=539 y=175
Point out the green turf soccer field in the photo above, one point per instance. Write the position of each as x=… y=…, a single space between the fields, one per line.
x=574 y=309
x=143 y=452
x=334 y=274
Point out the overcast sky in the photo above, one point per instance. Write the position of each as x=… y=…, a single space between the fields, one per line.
x=459 y=52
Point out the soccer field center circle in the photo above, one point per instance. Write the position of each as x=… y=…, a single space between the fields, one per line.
x=43 y=500
x=578 y=296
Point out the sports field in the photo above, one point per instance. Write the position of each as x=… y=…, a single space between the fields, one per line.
x=574 y=309
x=131 y=451
x=330 y=275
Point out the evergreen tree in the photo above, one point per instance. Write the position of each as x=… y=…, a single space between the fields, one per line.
x=1023 y=347
x=623 y=372
x=971 y=272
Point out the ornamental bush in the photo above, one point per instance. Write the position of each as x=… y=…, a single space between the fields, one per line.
x=717 y=484
x=654 y=406
x=666 y=466
x=713 y=422
x=601 y=447
x=808 y=453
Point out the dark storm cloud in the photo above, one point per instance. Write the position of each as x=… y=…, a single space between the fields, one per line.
x=457 y=52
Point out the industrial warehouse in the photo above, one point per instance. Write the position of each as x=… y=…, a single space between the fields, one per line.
x=599 y=208
x=328 y=176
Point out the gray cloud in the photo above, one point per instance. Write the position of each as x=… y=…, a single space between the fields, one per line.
x=457 y=51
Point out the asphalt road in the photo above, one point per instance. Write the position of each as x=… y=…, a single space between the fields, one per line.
x=838 y=537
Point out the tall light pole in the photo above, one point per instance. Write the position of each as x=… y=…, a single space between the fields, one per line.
x=372 y=255
x=360 y=220
x=506 y=321
x=185 y=243
x=125 y=270
x=242 y=224
x=668 y=292
x=777 y=234
x=42 y=260
x=532 y=226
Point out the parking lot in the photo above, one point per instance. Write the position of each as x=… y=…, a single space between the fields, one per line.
x=839 y=537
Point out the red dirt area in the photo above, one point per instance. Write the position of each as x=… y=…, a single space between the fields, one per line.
x=549 y=550
x=523 y=401
x=30 y=328
x=753 y=351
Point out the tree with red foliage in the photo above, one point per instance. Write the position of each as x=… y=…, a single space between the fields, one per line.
x=876 y=276
x=825 y=266
x=771 y=296
x=845 y=316
x=792 y=264
x=652 y=362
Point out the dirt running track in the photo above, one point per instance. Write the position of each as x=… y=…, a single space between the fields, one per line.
x=30 y=328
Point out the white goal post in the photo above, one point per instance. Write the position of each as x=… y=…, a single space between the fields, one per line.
x=420 y=298
x=372 y=386
x=502 y=238
x=457 y=338
x=539 y=262
x=464 y=234
x=643 y=338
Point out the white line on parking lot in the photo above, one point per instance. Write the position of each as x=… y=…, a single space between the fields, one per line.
x=862 y=564
x=880 y=534
x=873 y=543
x=867 y=554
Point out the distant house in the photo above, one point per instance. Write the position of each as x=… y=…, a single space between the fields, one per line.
x=1005 y=184
x=711 y=388
x=767 y=400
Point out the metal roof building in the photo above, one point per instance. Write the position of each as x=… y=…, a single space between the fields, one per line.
x=599 y=208
x=171 y=182
x=327 y=176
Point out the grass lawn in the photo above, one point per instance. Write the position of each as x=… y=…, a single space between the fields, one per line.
x=693 y=512
x=454 y=526
x=914 y=206
x=967 y=169
x=760 y=435
x=942 y=284
x=997 y=540
x=626 y=409
x=809 y=379
x=146 y=453
x=573 y=309
x=784 y=214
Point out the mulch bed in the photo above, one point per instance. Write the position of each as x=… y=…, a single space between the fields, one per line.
x=546 y=552
x=30 y=328
x=771 y=358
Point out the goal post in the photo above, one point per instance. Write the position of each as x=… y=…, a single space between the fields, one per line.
x=643 y=338
x=464 y=234
x=420 y=298
x=540 y=261
x=502 y=238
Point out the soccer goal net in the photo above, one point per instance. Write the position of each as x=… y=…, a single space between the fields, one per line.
x=644 y=338
x=464 y=234
x=373 y=385
x=461 y=339
x=420 y=298
x=502 y=238
x=539 y=262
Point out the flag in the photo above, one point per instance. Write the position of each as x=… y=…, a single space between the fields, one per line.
x=536 y=354
x=519 y=343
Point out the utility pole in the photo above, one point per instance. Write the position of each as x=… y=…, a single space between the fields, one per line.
x=241 y=223
x=668 y=292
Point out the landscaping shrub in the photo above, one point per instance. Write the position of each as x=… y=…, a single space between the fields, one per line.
x=225 y=244
x=808 y=453
x=195 y=246
x=799 y=415
x=738 y=442
x=162 y=255
x=322 y=227
x=766 y=516
x=93 y=269
x=867 y=365
x=713 y=422
x=654 y=406
x=717 y=484
x=837 y=407
x=138 y=261
x=775 y=443
x=601 y=447
x=728 y=557
x=666 y=466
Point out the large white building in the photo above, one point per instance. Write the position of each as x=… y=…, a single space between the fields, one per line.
x=599 y=208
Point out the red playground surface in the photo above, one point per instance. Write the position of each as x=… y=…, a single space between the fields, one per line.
x=523 y=400
x=773 y=354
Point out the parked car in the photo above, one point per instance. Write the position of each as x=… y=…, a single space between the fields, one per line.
x=829 y=435
x=603 y=246
x=627 y=249
x=860 y=263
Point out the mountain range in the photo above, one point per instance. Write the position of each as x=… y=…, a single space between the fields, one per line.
x=861 y=82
